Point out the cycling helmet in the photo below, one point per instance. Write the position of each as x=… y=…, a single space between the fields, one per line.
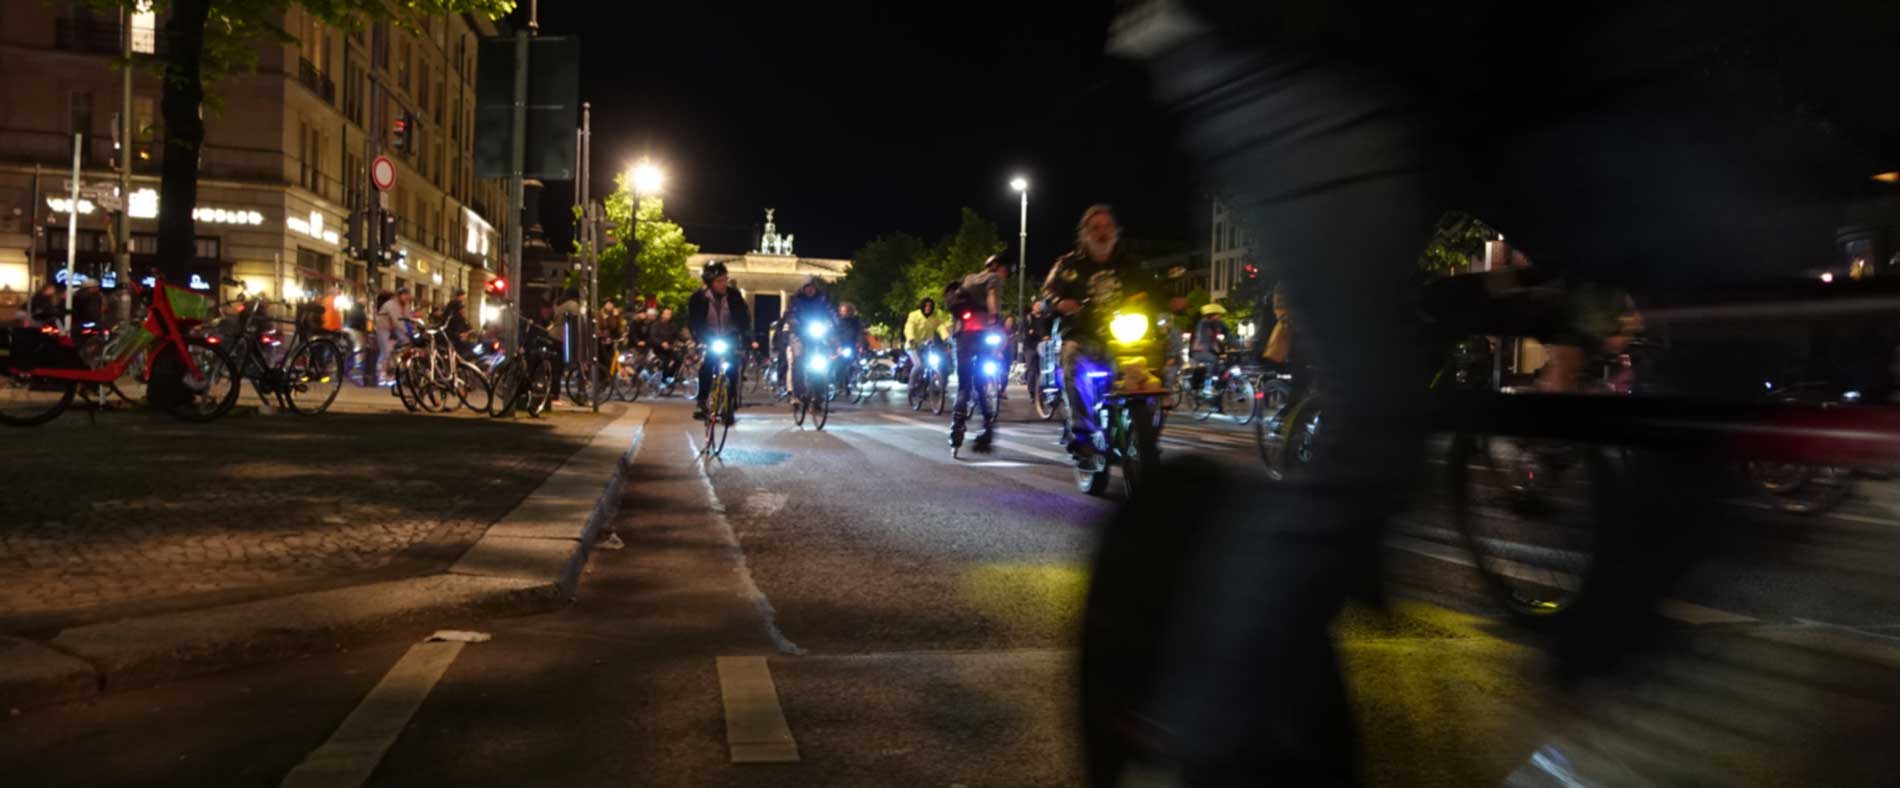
x=713 y=270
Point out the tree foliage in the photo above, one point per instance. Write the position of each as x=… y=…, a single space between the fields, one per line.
x=876 y=270
x=663 y=251
x=1458 y=238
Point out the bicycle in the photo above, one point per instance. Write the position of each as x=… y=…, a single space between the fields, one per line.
x=1127 y=409
x=814 y=386
x=525 y=381
x=305 y=376
x=1230 y=393
x=432 y=375
x=1046 y=395
x=928 y=384
x=41 y=372
x=721 y=402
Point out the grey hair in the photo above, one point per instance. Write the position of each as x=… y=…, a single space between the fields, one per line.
x=1098 y=208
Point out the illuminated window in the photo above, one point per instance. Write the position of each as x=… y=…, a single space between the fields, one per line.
x=145 y=29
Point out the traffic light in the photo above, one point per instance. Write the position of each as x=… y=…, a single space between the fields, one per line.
x=388 y=237
x=1250 y=270
x=403 y=134
x=497 y=287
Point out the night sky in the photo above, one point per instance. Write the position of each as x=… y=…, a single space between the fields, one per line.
x=859 y=120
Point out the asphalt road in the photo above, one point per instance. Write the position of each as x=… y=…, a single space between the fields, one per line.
x=888 y=615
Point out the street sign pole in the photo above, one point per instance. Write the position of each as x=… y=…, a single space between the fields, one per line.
x=72 y=233
x=517 y=159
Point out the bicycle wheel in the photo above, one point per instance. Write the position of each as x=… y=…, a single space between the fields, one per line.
x=1141 y=444
x=207 y=394
x=541 y=387
x=403 y=377
x=313 y=377
x=474 y=388
x=938 y=393
x=1236 y=400
x=507 y=387
x=26 y=401
x=1202 y=406
x=798 y=411
x=1274 y=397
x=820 y=412
x=1530 y=512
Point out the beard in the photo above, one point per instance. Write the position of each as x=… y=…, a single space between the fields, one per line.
x=1098 y=249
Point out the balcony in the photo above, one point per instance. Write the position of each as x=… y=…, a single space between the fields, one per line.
x=317 y=81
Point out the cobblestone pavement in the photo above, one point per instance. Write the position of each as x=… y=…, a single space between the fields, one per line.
x=137 y=514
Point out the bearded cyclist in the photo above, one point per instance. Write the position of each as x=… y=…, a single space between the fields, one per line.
x=974 y=306
x=1085 y=287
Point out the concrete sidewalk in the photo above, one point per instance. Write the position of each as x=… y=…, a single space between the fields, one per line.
x=528 y=560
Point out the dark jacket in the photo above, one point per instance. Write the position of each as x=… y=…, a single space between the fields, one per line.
x=455 y=319
x=1101 y=287
x=817 y=309
x=700 y=304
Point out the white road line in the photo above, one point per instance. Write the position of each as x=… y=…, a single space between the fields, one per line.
x=747 y=588
x=353 y=752
x=1014 y=446
x=756 y=731
x=1670 y=608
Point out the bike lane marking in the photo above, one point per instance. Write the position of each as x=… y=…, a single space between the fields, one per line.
x=756 y=730
x=359 y=744
x=748 y=588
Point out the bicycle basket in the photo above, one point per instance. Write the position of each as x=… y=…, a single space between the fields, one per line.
x=189 y=306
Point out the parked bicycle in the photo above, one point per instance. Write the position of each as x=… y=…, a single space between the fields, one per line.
x=525 y=381
x=188 y=377
x=302 y=374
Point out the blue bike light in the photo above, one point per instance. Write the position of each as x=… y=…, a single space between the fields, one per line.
x=719 y=347
x=845 y=352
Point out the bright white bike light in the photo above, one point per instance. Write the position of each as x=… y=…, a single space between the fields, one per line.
x=818 y=364
x=845 y=352
x=817 y=330
x=935 y=361
x=993 y=340
x=989 y=368
x=719 y=347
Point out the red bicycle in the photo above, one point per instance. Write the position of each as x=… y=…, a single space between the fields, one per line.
x=189 y=377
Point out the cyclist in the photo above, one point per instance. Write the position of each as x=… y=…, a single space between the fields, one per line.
x=1085 y=286
x=663 y=339
x=455 y=321
x=1210 y=341
x=923 y=329
x=812 y=320
x=974 y=305
x=717 y=312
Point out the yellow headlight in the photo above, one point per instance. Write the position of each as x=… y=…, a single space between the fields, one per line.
x=1128 y=327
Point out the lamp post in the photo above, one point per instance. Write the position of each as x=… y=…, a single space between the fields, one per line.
x=1021 y=185
x=646 y=178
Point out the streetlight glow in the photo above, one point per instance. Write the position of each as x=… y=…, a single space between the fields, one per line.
x=1019 y=183
x=647 y=178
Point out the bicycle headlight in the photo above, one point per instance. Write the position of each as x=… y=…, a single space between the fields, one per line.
x=989 y=368
x=935 y=361
x=845 y=352
x=1128 y=327
x=818 y=364
x=817 y=330
x=719 y=347
x=993 y=339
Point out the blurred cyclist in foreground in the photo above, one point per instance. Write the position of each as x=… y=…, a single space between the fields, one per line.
x=1642 y=145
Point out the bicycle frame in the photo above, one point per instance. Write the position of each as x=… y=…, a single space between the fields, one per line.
x=162 y=322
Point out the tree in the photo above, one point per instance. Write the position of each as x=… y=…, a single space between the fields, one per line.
x=876 y=270
x=954 y=257
x=663 y=251
x=1458 y=238
x=209 y=40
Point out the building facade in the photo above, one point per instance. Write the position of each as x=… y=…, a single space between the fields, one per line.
x=284 y=161
x=1230 y=252
x=769 y=278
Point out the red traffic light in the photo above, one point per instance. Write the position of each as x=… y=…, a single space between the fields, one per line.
x=498 y=286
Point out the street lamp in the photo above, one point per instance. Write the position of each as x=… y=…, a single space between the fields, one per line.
x=647 y=179
x=1021 y=185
